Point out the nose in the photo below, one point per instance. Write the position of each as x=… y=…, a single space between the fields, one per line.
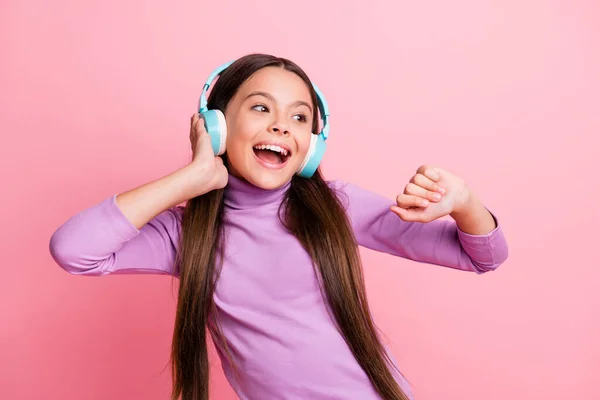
x=279 y=127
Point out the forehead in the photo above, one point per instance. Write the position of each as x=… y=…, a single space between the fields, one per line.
x=285 y=86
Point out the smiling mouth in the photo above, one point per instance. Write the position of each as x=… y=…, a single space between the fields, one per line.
x=272 y=154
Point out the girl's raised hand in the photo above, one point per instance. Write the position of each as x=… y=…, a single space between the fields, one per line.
x=211 y=171
x=431 y=193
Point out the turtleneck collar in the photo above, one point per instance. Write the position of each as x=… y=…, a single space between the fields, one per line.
x=240 y=194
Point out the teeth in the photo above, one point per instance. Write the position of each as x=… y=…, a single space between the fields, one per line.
x=272 y=148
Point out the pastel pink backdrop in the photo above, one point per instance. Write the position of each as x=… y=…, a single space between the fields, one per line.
x=96 y=98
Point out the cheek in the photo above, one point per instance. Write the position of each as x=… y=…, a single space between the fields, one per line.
x=241 y=130
x=238 y=135
x=303 y=143
x=236 y=152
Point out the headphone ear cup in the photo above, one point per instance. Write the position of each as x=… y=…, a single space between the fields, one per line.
x=215 y=125
x=313 y=157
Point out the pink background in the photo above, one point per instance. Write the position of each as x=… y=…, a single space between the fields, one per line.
x=96 y=98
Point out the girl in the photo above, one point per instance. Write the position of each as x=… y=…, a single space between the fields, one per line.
x=267 y=253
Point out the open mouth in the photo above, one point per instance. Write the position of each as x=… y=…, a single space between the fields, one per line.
x=272 y=154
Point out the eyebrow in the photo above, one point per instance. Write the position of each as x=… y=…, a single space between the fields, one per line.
x=268 y=96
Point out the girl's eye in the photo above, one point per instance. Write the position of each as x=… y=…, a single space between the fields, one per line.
x=301 y=117
x=260 y=107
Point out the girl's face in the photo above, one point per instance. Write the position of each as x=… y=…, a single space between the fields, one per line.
x=269 y=124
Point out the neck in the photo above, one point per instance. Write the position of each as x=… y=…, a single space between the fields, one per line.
x=241 y=194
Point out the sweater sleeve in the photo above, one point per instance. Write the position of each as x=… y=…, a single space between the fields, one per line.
x=100 y=240
x=439 y=242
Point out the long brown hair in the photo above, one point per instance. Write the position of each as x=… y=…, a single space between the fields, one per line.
x=314 y=214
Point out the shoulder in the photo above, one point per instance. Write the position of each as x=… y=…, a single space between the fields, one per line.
x=340 y=189
x=356 y=197
x=173 y=215
x=176 y=213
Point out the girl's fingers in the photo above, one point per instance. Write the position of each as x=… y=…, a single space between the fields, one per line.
x=429 y=172
x=197 y=120
x=200 y=126
x=417 y=196
x=193 y=121
x=411 y=215
x=419 y=191
x=407 y=201
x=426 y=183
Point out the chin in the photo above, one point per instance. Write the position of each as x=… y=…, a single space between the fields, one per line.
x=269 y=180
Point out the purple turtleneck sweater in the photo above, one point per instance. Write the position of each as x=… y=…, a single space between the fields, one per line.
x=272 y=314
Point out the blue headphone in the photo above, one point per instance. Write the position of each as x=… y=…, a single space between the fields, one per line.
x=214 y=122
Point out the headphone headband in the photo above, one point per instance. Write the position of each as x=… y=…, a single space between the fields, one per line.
x=322 y=103
x=202 y=106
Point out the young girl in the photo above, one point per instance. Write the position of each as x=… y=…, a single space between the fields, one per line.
x=266 y=250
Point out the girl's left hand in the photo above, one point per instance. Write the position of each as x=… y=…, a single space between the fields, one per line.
x=432 y=193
